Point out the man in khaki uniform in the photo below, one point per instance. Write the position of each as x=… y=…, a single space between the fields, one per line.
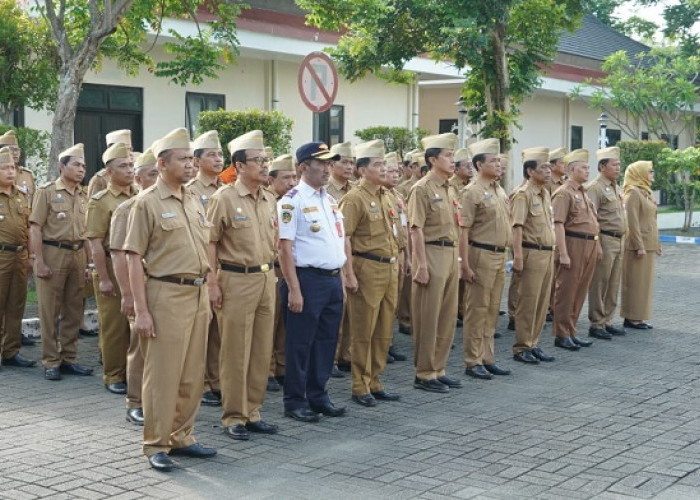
x=57 y=236
x=606 y=196
x=25 y=178
x=14 y=237
x=371 y=274
x=556 y=160
x=209 y=161
x=432 y=215
x=282 y=178
x=342 y=180
x=578 y=248
x=99 y=181
x=115 y=332
x=167 y=235
x=146 y=174
x=242 y=246
x=464 y=173
x=406 y=170
x=483 y=245
x=533 y=255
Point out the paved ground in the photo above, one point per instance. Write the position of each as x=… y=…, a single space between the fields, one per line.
x=618 y=420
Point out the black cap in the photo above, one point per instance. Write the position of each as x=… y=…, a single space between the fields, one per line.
x=318 y=150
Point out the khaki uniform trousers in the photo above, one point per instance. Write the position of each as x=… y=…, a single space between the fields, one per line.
x=134 y=369
x=534 y=288
x=572 y=285
x=342 y=349
x=482 y=301
x=513 y=294
x=211 y=370
x=371 y=311
x=637 y=285
x=246 y=319
x=61 y=294
x=115 y=333
x=278 y=336
x=403 y=311
x=13 y=297
x=602 y=296
x=173 y=364
x=434 y=312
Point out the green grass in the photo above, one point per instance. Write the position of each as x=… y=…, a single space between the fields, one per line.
x=31 y=296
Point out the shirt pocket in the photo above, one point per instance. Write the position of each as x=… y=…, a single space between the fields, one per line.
x=60 y=211
x=172 y=224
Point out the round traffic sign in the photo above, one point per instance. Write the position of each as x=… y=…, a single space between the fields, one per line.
x=318 y=82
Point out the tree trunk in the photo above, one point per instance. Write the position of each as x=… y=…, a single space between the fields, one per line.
x=688 y=206
x=498 y=86
x=6 y=113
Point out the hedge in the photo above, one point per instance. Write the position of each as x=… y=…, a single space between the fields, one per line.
x=399 y=139
x=35 y=146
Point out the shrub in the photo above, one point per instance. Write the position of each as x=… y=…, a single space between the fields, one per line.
x=398 y=139
x=35 y=149
x=276 y=127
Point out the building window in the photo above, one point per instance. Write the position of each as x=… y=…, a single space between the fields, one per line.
x=196 y=103
x=576 y=137
x=329 y=126
x=645 y=136
x=446 y=126
x=614 y=136
x=671 y=140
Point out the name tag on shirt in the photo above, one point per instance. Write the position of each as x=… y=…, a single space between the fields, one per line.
x=308 y=210
x=167 y=215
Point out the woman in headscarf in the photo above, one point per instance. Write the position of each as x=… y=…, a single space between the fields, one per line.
x=641 y=246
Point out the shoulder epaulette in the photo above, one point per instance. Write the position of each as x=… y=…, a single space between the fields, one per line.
x=99 y=194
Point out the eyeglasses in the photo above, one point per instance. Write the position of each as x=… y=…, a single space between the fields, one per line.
x=260 y=160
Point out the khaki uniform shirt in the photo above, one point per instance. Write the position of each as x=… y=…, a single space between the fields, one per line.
x=337 y=190
x=170 y=233
x=643 y=231
x=14 y=218
x=606 y=196
x=371 y=220
x=117 y=227
x=400 y=207
x=531 y=209
x=204 y=189
x=98 y=182
x=25 y=182
x=243 y=227
x=553 y=185
x=485 y=212
x=60 y=214
x=404 y=187
x=100 y=209
x=457 y=184
x=432 y=208
x=572 y=207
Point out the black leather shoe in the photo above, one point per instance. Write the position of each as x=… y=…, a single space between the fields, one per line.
x=396 y=355
x=116 y=388
x=161 y=462
x=636 y=326
x=365 y=400
x=566 y=343
x=336 y=373
x=261 y=427
x=238 y=432
x=134 y=416
x=210 y=398
x=581 y=342
x=329 y=410
x=526 y=357
x=478 y=371
x=511 y=324
x=405 y=329
x=494 y=369
x=75 y=369
x=18 y=360
x=273 y=385
x=385 y=396
x=598 y=333
x=540 y=355
x=432 y=385
x=389 y=359
x=549 y=318
x=614 y=330
x=194 y=450
x=27 y=342
x=303 y=415
x=88 y=333
x=52 y=373
x=450 y=382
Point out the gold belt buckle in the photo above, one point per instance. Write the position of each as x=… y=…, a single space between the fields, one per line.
x=265 y=268
x=595 y=238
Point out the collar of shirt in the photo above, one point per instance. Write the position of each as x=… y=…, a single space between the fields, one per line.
x=486 y=184
x=338 y=185
x=306 y=191
x=607 y=182
x=437 y=179
x=538 y=190
x=60 y=185
x=164 y=190
x=116 y=190
x=574 y=185
x=244 y=191
x=371 y=188
x=216 y=181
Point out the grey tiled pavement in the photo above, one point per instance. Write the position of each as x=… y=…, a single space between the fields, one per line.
x=618 y=420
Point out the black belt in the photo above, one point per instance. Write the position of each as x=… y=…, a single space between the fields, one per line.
x=246 y=270
x=11 y=248
x=492 y=248
x=527 y=244
x=63 y=245
x=441 y=243
x=376 y=258
x=583 y=236
x=613 y=234
x=322 y=272
x=181 y=281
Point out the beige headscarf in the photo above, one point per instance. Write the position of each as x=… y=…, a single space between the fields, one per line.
x=637 y=175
